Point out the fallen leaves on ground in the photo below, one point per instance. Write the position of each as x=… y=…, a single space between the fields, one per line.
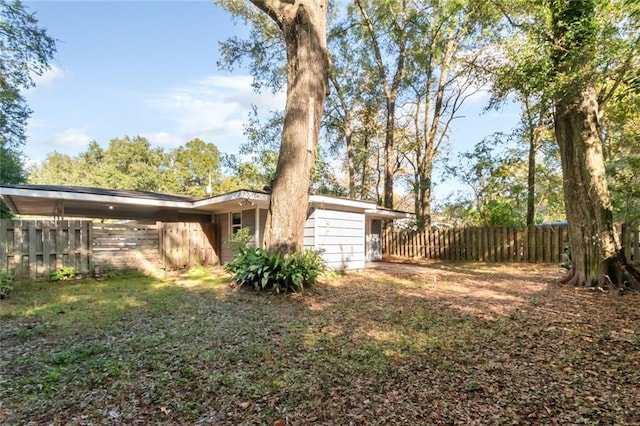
x=436 y=343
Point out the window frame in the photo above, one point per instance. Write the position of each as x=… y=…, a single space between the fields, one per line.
x=234 y=228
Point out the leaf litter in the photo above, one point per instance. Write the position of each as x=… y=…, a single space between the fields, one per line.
x=433 y=343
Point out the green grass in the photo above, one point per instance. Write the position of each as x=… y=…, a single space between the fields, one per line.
x=367 y=349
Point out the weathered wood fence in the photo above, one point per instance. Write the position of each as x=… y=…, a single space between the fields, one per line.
x=543 y=243
x=34 y=248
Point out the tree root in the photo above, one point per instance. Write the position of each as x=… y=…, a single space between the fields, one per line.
x=615 y=274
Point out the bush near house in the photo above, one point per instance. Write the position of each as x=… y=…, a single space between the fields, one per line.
x=256 y=268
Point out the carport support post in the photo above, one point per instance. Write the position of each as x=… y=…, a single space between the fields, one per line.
x=92 y=272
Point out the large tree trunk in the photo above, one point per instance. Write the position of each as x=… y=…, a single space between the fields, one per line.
x=389 y=152
x=303 y=23
x=597 y=255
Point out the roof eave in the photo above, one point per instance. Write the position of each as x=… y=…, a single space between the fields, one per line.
x=114 y=199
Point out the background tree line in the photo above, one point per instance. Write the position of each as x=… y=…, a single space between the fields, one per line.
x=400 y=72
x=395 y=75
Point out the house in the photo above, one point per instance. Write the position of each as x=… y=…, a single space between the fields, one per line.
x=347 y=231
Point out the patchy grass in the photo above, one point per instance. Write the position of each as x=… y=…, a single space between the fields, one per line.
x=401 y=344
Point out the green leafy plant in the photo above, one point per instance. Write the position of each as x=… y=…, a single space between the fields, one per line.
x=6 y=284
x=256 y=268
x=238 y=240
x=63 y=274
x=567 y=259
x=111 y=273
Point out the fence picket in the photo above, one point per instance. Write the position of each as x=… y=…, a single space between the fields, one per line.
x=499 y=244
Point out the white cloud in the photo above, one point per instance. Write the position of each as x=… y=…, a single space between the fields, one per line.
x=71 y=140
x=48 y=77
x=213 y=108
x=163 y=139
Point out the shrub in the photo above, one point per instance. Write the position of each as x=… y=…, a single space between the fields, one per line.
x=256 y=268
x=63 y=274
x=238 y=240
x=6 y=284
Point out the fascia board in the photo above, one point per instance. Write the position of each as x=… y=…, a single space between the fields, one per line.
x=232 y=196
x=322 y=200
x=107 y=199
x=388 y=214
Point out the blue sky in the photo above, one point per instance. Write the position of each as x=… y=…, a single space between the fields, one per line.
x=149 y=68
x=129 y=68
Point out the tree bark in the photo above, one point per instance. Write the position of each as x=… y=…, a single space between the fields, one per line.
x=597 y=256
x=303 y=23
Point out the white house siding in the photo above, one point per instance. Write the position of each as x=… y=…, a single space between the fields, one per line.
x=340 y=236
x=310 y=232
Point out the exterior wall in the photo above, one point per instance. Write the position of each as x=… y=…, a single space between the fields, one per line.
x=248 y=221
x=340 y=237
x=373 y=240
x=226 y=253
x=339 y=234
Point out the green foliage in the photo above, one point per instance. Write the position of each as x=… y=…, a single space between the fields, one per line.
x=238 y=239
x=256 y=268
x=25 y=51
x=11 y=172
x=6 y=284
x=567 y=259
x=63 y=274
x=496 y=173
x=111 y=274
x=194 y=165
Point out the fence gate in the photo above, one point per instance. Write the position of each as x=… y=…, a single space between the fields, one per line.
x=188 y=244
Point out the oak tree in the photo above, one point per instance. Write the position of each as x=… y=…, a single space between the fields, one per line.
x=303 y=26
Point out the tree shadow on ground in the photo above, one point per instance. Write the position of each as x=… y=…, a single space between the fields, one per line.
x=368 y=348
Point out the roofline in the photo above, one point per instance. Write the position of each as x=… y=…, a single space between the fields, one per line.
x=343 y=202
x=388 y=214
x=62 y=194
x=231 y=196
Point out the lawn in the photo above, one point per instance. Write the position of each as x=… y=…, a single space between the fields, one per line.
x=445 y=343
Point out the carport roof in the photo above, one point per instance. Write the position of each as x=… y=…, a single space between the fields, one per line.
x=74 y=201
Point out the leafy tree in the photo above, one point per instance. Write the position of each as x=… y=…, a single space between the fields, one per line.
x=132 y=163
x=577 y=28
x=11 y=172
x=387 y=27
x=302 y=27
x=126 y=164
x=25 y=52
x=495 y=179
x=352 y=116
x=621 y=145
x=584 y=52
x=495 y=172
x=56 y=169
x=440 y=78
x=194 y=166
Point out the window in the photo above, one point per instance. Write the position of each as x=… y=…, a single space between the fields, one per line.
x=236 y=222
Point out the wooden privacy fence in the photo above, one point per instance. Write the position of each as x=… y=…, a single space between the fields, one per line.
x=34 y=248
x=544 y=243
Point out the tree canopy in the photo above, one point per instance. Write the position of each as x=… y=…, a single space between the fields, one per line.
x=25 y=52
